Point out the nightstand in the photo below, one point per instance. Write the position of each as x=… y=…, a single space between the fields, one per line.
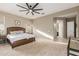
x=3 y=39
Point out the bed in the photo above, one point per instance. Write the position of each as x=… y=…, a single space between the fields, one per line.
x=20 y=38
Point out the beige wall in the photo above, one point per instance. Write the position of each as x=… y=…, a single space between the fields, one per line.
x=46 y=23
x=10 y=21
x=44 y=27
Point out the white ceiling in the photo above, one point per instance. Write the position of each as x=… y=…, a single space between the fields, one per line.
x=48 y=8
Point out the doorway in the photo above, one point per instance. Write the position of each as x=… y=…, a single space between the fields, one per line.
x=71 y=27
x=60 y=27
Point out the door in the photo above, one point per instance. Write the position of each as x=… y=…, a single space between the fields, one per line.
x=71 y=27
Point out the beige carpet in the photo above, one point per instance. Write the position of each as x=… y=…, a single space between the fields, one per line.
x=41 y=47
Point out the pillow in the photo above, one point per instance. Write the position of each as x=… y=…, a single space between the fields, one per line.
x=16 y=32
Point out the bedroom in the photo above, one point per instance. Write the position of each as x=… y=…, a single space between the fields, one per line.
x=41 y=26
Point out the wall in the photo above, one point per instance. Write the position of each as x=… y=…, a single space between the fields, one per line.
x=43 y=27
x=9 y=20
x=46 y=23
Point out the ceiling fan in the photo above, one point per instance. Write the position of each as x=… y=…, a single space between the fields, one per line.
x=30 y=9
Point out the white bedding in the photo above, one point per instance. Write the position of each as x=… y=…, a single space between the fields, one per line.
x=16 y=37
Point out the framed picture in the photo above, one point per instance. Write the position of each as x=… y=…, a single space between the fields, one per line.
x=17 y=22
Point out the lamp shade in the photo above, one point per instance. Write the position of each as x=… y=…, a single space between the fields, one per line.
x=1 y=27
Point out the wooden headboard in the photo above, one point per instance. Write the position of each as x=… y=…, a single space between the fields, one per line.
x=10 y=29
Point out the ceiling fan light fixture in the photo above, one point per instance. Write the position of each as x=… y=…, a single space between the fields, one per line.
x=30 y=10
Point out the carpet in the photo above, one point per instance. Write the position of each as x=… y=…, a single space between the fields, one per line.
x=41 y=47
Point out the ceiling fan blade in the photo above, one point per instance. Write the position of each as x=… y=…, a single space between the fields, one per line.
x=37 y=12
x=35 y=5
x=27 y=12
x=37 y=9
x=28 y=5
x=21 y=6
x=22 y=10
x=32 y=13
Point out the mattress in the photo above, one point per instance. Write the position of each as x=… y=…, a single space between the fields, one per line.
x=16 y=37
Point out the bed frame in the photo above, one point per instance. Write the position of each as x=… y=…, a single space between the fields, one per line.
x=19 y=42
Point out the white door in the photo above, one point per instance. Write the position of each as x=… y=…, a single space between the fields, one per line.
x=70 y=29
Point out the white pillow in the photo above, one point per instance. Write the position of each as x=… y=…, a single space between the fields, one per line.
x=16 y=32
